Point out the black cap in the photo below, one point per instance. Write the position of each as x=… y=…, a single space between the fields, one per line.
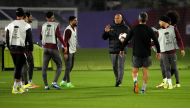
x=19 y=12
x=165 y=19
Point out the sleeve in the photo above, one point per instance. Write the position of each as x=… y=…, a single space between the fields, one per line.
x=67 y=36
x=29 y=39
x=41 y=33
x=179 y=39
x=58 y=35
x=7 y=39
x=155 y=40
x=105 y=35
x=128 y=38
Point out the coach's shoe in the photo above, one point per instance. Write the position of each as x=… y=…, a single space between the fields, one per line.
x=63 y=84
x=54 y=85
x=177 y=86
x=136 y=87
x=170 y=86
x=47 y=88
x=160 y=85
x=70 y=85
x=118 y=84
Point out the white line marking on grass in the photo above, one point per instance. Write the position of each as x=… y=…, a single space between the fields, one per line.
x=2 y=82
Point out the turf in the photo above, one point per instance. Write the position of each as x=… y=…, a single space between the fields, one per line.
x=96 y=89
x=94 y=81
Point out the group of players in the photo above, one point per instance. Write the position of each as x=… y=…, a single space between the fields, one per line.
x=142 y=37
x=20 y=43
x=165 y=41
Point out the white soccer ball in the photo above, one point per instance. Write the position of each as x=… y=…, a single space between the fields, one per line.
x=122 y=36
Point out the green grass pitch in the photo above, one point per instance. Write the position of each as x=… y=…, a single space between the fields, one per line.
x=94 y=81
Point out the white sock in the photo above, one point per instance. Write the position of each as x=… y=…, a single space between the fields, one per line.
x=54 y=83
x=164 y=80
x=170 y=81
x=134 y=79
x=144 y=86
x=15 y=84
x=63 y=81
x=30 y=81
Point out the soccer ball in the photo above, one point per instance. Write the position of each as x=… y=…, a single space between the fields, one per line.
x=122 y=36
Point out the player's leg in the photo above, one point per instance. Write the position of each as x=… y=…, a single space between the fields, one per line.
x=167 y=64
x=57 y=59
x=19 y=61
x=164 y=81
x=68 y=67
x=69 y=84
x=137 y=63
x=30 y=61
x=46 y=59
x=24 y=74
x=146 y=63
x=175 y=70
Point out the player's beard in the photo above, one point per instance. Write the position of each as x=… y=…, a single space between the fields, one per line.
x=30 y=21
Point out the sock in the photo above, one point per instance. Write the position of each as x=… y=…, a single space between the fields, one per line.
x=134 y=79
x=20 y=84
x=30 y=81
x=170 y=81
x=164 y=80
x=15 y=84
x=144 y=86
x=54 y=83
x=63 y=81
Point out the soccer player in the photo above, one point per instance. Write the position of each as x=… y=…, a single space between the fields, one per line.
x=49 y=34
x=174 y=17
x=141 y=36
x=18 y=34
x=170 y=40
x=70 y=38
x=116 y=49
x=29 y=66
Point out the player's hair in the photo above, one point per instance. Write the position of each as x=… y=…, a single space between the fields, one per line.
x=27 y=14
x=19 y=12
x=49 y=14
x=174 y=16
x=143 y=17
x=165 y=18
x=71 y=18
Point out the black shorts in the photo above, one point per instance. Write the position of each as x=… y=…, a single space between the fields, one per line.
x=138 y=62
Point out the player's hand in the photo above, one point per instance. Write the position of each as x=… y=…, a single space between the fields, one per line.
x=121 y=53
x=182 y=53
x=107 y=28
x=65 y=50
x=158 y=56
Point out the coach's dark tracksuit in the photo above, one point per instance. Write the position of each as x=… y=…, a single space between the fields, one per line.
x=115 y=46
